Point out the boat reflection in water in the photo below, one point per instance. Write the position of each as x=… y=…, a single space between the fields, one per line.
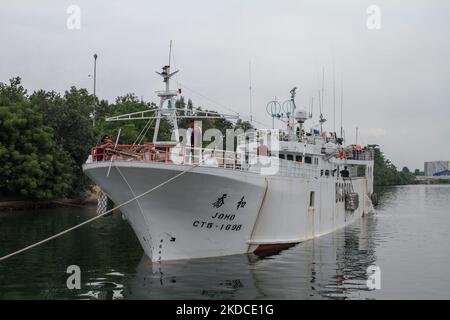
x=332 y=266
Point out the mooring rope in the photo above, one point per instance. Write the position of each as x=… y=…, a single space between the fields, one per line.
x=98 y=216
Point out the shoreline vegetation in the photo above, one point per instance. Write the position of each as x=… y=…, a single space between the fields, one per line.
x=45 y=137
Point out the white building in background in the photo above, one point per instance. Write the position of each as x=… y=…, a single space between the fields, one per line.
x=437 y=168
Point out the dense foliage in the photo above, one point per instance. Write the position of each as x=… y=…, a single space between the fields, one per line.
x=68 y=116
x=385 y=172
x=32 y=163
x=45 y=137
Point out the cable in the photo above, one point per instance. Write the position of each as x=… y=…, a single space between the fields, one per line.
x=99 y=216
x=148 y=128
x=205 y=97
x=217 y=103
x=142 y=133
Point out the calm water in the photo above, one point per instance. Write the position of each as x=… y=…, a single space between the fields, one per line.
x=408 y=237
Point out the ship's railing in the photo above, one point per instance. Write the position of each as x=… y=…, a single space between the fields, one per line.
x=166 y=92
x=182 y=155
x=352 y=154
x=136 y=152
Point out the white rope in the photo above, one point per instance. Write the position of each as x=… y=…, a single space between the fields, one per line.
x=142 y=133
x=134 y=195
x=115 y=147
x=98 y=216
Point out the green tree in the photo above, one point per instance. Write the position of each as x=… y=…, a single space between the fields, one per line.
x=180 y=103
x=70 y=118
x=14 y=92
x=244 y=125
x=130 y=130
x=385 y=172
x=190 y=105
x=32 y=165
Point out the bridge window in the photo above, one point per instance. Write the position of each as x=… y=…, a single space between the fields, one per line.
x=298 y=158
x=308 y=160
x=290 y=157
x=281 y=155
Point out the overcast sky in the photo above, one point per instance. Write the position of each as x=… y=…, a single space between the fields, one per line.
x=396 y=79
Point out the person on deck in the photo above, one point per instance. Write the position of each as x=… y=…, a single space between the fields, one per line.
x=262 y=150
x=345 y=173
x=196 y=143
x=189 y=142
x=105 y=143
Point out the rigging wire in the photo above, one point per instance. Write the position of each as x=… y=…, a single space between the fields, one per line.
x=334 y=101
x=250 y=90
x=342 y=103
x=100 y=215
x=175 y=76
x=148 y=128
x=179 y=82
x=142 y=134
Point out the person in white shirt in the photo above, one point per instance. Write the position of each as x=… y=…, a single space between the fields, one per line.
x=196 y=143
x=189 y=142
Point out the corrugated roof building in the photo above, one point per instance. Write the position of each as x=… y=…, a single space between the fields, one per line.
x=437 y=168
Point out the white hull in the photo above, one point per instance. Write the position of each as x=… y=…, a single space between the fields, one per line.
x=179 y=221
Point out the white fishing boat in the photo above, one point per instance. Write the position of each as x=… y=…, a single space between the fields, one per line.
x=276 y=189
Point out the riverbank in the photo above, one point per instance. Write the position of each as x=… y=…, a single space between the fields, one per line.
x=13 y=205
x=22 y=205
x=432 y=180
x=419 y=180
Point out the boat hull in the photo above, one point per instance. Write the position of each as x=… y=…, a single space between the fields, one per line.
x=211 y=211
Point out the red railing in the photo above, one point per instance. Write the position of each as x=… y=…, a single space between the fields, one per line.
x=353 y=154
x=140 y=152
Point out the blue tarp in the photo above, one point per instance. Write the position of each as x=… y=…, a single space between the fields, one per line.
x=442 y=173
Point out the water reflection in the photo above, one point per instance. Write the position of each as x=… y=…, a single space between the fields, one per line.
x=406 y=237
x=332 y=266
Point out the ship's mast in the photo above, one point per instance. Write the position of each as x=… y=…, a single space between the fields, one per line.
x=342 y=102
x=291 y=116
x=169 y=111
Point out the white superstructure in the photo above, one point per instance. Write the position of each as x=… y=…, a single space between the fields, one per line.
x=275 y=190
